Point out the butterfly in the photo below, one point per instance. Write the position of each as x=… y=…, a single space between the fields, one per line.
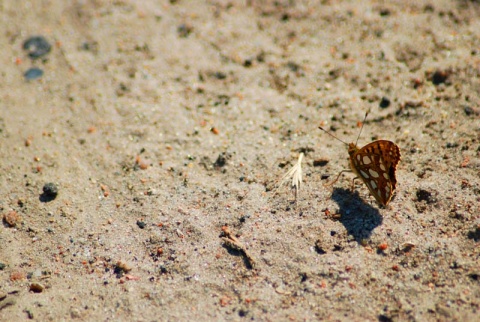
x=375 y=164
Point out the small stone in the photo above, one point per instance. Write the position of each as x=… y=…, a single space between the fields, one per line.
x=37 y=273
x=11 y=218
x=219 y=75
x=33 y=73
x=36 y=287
x=122 y=267
x=184 y=30
x=50 y=192
x=50 y=189
x=320 y=162
x=385 y=102
x=474 y=276
x=152 y=192
x=320 y=247
x=74 y=313
x=141 y=224
x=2 y=266
x=469 y=111
x=30 y=314
x=450 y=145
x=37 y=47
x=425 y=195
x=440 y=77
x=221 y=160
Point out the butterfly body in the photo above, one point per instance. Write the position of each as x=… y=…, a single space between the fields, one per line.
x=375 y=165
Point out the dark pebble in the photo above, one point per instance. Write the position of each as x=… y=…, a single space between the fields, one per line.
x=242 y=312
x=221 y=160
x=163 y=269
x=33 y=73
x=471 y=111
x=261 y=57
x=141 y=224
x=385 y=12
x=451 y=145
x=319 y=247
x=2 y=266
x=294 y=67
x=474 y=276
x=37 y=47
x=468 y=110
x=50 y=190
x=474 y=234
x=427 y=196
x=440 y=76
x=36 y=287
x=220 y=75
x=122 y=267
x=184 y=30
x=385 y=102
x=320 y=163
x=244 y=218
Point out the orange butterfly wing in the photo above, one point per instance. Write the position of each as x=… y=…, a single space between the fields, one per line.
x=375 y=164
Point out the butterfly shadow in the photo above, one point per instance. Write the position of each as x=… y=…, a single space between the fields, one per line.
x=358 y=217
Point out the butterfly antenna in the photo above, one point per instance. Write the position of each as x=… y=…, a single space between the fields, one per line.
x=321 y=128
x=363 y=123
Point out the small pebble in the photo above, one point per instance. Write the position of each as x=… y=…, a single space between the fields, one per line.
x=29 y=314
x=184 y=30
x=36 y=287
x=141 y=224
x=37 y=47
x=319 y=247
x=471 y=111
x=221 y=160
x=219 y=75
x=440 y=77
x=50 y=190
x=11 y=218
x=2 y=266
x=320 y=162
x=33 y=73
x=122 y=267
x=385 y=102
x=74 y=313
x=468 y=110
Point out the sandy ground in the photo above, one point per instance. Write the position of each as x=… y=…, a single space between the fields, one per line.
x=163 y=122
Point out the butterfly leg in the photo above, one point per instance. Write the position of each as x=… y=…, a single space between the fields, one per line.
x=332 y=183
x=353 y=183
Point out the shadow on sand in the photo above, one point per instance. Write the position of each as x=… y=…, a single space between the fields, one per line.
x=358 y=217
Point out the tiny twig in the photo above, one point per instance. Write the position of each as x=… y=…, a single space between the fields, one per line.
x=232 y=242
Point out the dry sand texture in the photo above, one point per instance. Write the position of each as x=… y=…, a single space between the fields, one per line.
x=165 y=126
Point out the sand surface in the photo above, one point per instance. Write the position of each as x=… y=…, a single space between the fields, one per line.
x=165 y=125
